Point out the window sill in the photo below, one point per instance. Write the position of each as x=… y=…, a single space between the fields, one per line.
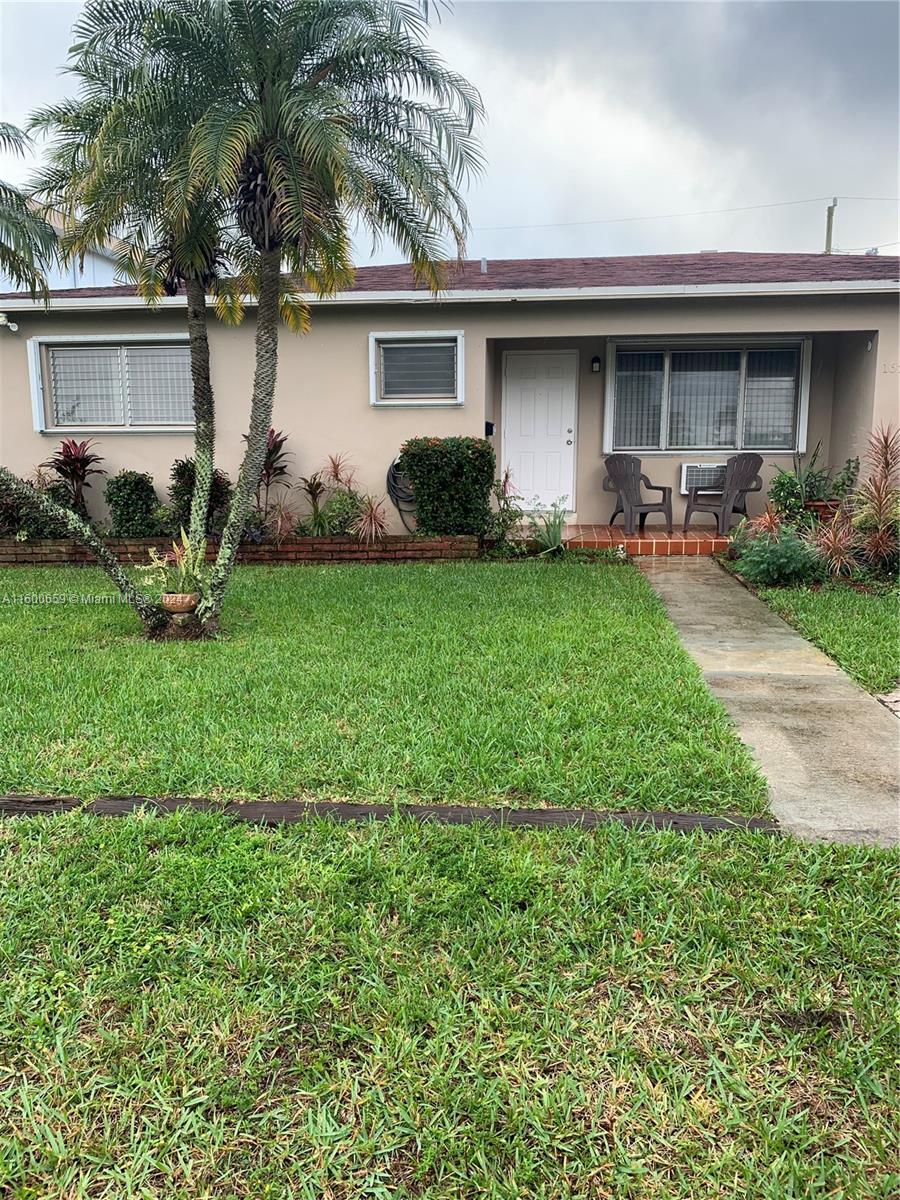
x=729 y=450
x=416 y=404
x=106 y=430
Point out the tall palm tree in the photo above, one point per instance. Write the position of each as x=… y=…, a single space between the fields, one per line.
x=108 y=171
x=307 y=117
x=28 y=246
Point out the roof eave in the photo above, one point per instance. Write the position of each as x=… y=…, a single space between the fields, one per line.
x=495 y=296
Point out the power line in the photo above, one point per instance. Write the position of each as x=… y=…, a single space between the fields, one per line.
x=858 y=249
x=706 y=212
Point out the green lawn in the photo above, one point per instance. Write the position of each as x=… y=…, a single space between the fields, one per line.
x=859 y=630
x=194 y=1008
x=528 y=683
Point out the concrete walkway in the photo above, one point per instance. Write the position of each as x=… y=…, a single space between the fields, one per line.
x=830 y=752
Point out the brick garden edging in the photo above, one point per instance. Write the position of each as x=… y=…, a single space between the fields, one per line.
x=62 y=551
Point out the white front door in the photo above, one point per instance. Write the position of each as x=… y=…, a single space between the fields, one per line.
x=540 y=399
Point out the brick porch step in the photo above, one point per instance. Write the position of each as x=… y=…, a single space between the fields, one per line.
x=653 y=541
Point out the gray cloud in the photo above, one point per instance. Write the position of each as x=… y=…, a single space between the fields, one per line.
x=627 y=109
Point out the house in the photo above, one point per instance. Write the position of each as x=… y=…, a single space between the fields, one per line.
x=681 y=359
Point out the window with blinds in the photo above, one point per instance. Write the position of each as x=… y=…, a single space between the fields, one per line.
x=706 y=399
x=127 y=385
x=417 y=370
x=639 y=389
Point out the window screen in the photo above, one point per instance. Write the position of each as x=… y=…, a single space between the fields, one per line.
x=639 y=390
x=160 y=391
x=418 y=369
x=86 y=385
x=703 y=398
x=121 y=385
x=770 y=399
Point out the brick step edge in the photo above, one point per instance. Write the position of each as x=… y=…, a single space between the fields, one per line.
x=288 y=812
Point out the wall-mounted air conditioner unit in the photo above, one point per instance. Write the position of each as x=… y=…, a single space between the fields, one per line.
x=708 y=477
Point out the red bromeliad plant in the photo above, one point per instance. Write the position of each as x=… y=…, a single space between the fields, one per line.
x=767 y=524
x=74 y=462
x=370 y=523
x=866 y=526
x=877 y=505
x=338 y=473
x=835 y=540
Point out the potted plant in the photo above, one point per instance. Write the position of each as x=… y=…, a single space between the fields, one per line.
x=811 y=489
x=180 y=573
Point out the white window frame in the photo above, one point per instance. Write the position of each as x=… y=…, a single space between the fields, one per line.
x=40 y=391
x=719 y=342
x=378 y=337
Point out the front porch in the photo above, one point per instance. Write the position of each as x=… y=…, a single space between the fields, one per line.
x=556 y=406
x=654 y=540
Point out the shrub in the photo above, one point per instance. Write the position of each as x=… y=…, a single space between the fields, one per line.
x=181 y=491
x=315 y=489
x=74 y=463
x=370 y=525
x=452 y=480
x=767 y=561
x=20 y=519
x=274 y=469
x=132 y=504
x=789 y=491
x=506 y=519
x=341 y=511
x=548 y=528
x=876 y=505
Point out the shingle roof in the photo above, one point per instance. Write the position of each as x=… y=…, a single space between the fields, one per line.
x=642 y=270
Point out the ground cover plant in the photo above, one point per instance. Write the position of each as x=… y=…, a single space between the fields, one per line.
x=856 y=626
x=191 y=1007
x=528 y=683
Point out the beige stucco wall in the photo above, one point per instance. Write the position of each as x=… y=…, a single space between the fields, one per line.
x=322 y=398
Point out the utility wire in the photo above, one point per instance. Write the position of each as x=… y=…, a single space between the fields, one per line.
x=859 y=249
x=705 y=212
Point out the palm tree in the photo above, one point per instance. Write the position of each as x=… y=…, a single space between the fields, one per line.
x=28 y=246
x=307 y=117
x=108 y=172
x=27 y=240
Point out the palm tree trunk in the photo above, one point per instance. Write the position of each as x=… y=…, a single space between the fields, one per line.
x=267 y=323
x=204 y=410
x=152 y=615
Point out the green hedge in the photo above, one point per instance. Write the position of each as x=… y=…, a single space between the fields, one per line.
x=132 y=504
x=452 y=479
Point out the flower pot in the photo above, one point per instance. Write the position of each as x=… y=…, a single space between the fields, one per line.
x=823 y=509
x=180 y=602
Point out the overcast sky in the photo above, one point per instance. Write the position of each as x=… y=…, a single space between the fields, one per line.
x=607 y=110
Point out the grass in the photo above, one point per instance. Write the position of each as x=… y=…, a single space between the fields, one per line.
x=528 y=683
x=858 y=629
x=191 y=1008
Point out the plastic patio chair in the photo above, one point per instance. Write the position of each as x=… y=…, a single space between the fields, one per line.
x=741 y=477
x=624 y=477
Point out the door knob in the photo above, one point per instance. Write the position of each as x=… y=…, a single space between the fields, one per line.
x=568 y=441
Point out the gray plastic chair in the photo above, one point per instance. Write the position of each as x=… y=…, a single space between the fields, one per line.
x=624 y=477
x=741 y=477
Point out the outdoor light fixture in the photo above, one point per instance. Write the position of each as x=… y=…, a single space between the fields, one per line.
x=10 y=325
x=595 y=363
